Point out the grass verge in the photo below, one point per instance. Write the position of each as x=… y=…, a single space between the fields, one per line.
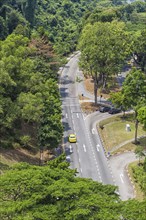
x=113 y=132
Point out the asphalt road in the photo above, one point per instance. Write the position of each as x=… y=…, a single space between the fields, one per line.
x=119 y=164
x=87 y=155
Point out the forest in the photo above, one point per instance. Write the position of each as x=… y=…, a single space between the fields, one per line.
x=36 y=36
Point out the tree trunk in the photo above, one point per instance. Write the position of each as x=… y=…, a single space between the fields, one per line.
x=104 y=81
x=95 y=88
x=136 y=128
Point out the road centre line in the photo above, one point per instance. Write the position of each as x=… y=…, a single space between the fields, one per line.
x=77 y=115
x=70 y=147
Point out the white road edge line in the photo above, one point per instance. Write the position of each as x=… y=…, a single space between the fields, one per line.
x=84 y=147
x=121 y=177
x=93 y=130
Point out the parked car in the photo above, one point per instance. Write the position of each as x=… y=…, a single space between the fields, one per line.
x=104 y=109
x=114 y=111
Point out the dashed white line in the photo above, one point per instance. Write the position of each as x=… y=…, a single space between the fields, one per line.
x=84 y=147
x=77 y=115
x=66 y=115
x=70 y=147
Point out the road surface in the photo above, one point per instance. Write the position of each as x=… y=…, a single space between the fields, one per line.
x=87 y=155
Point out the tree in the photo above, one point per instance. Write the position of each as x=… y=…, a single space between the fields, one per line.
x=142 y=116
x=133 y=209
x=28 y=89
x=50 y=128
x=139 y=54
x=104 y=47
x=3 y=29
x=134 y=91
x=55 y=192
x=119 y=100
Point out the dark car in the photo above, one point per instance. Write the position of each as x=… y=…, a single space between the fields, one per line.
x=104 y=109
x=114 y=111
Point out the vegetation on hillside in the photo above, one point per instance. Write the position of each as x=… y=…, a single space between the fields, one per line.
x=54 y=192
x=32 y=32
x=28 y=89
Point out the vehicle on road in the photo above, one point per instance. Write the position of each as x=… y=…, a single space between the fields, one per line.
x=104 y=109
x=68 y=159
x=114 y=111
x=72 y=138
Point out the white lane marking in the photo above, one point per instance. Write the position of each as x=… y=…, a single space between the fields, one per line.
x=121 y=176
x=77 y=115
x=97 y=147
x=66 y=115
x=70 y=147
x=93 y=130
x=84 y=147
x=81 y=170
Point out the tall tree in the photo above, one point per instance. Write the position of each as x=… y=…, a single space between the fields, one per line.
x=134 y=90
x=104 y=47
x=142 y=116
x=55 y=192
x=139 y=54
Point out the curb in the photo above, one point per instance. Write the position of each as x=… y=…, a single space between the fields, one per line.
x=132 y=183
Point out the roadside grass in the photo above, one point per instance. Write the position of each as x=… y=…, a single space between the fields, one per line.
x=139 y=195
x=131 y=146
x=114 y=132
x=89 y=107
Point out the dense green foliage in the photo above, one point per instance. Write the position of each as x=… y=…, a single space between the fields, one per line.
x=54 y=192
x=59 y=20
x=104 y=47
x=139 y=175
x=30 y=106
x=26 y=85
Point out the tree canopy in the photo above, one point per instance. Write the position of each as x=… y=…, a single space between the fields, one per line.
x=55 y=192
x=26 y=84
x=104 y=47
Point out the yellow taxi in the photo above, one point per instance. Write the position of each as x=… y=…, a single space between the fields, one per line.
x=72 y=138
